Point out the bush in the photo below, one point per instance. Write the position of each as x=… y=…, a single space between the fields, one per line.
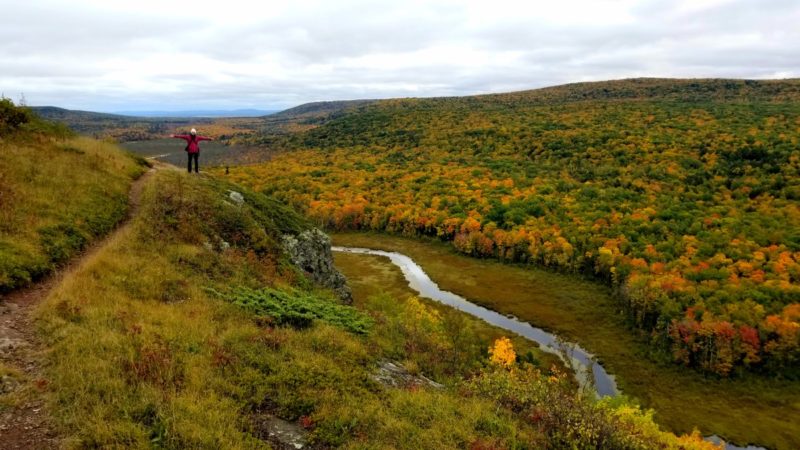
x=12 y=117
x=297 y=309
x=573 y=419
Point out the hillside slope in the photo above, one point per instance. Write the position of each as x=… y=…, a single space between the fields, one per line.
x=272 y=131
x=692 y=90
x=319 y=109
x=58 y=196
x=681 y=193
x=212 y=338
x=57 y=193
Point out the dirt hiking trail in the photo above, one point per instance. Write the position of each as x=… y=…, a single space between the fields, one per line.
x=27 y=424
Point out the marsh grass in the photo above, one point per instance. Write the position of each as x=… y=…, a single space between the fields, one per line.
x=211 y=153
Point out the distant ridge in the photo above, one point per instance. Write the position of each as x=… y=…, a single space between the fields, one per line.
x=56 y=113
x=681 y=89
x=320 y=108
x=120 y=127
x=359 y=119
x=309 y=115
x=200 y=113
x=686 y=89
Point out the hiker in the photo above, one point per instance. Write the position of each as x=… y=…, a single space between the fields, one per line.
x=192 y=147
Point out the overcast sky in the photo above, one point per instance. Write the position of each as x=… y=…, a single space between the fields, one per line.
x=109 y=55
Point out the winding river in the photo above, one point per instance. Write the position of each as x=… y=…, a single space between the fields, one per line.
x=588 y=371
x=573 y=355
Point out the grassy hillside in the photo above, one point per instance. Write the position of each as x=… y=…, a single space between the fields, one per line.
x=170 y=338
x=57 y=194
x=683 y=194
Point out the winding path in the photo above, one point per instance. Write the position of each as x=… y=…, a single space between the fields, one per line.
x=27 y=424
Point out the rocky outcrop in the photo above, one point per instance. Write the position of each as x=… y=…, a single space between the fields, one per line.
x=311 y=252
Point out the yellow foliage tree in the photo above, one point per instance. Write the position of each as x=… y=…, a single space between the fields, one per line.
x=502 y=353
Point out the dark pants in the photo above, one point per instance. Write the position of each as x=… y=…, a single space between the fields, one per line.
x=195 y=157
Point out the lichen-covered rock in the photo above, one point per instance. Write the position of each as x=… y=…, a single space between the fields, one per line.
x=393 y=374
x=311 y=252
x=236 y=197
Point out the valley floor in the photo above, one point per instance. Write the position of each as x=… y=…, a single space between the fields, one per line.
x=746 y=410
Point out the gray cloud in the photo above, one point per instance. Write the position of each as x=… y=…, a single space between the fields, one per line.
x=109 y=56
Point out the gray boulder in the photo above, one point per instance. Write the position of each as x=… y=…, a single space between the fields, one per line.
x=311 y=252
x=236 y=197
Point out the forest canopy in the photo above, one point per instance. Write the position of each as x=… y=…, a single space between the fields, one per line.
x=683 y=194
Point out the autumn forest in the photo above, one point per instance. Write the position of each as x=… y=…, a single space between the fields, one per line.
x=683 y=195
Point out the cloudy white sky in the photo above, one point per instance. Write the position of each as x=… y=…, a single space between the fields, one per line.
x=109 y=55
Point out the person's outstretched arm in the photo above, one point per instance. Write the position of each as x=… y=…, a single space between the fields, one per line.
x=180 y=136
x=203 y=138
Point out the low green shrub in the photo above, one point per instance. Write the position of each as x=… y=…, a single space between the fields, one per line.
x=298 y=309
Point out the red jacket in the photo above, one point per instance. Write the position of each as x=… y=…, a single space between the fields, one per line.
x=192 y=145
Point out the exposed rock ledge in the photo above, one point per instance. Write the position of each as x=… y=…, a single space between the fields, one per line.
x=311 y=252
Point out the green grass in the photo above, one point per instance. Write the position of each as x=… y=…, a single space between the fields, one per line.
x=751 y=409
x=56 y=196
